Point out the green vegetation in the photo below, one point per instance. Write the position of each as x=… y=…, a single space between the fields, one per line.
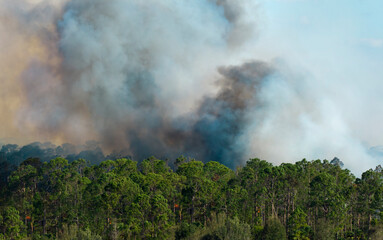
x=125 y=200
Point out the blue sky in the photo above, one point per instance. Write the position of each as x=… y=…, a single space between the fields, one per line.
x=321 y=25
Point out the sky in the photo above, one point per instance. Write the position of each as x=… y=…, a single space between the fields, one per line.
x=281 y=80
x=337 y=46
x=324 y=29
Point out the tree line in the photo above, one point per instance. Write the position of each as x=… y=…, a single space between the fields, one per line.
x=124 y=199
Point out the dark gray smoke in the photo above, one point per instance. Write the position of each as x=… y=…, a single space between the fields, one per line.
x=214 y=130
x=223 y=119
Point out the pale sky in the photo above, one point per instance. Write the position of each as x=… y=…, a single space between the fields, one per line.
x=337 y=45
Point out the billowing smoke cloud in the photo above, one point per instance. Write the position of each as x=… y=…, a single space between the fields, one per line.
x=131 y=74
x=141 y=78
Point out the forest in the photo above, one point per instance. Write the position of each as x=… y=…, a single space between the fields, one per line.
x=188 y=199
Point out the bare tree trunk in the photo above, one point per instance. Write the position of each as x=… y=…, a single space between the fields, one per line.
x=192 y=210
x=44 y=221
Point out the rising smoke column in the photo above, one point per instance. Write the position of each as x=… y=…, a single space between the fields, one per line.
x=140 y=77
x=131 y=67
x=132 y=74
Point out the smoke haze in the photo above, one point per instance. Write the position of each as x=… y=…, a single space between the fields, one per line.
x=160 y=78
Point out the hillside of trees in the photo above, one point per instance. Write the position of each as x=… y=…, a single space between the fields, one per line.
x=124 y=199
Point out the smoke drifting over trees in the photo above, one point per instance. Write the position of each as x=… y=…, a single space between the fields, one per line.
x=14 y=154
x=160 y=78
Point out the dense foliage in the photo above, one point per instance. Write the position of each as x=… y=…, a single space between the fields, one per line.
x=125 y=200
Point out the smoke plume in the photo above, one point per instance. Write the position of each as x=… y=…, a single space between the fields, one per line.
x=151 y=77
